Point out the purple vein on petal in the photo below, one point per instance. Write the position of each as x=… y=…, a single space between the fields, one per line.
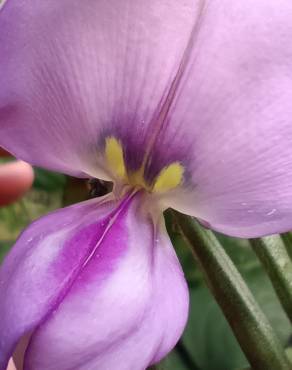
x=110 y=222
x=158 y=123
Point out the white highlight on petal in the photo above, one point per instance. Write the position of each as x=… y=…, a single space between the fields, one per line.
x=274 y=210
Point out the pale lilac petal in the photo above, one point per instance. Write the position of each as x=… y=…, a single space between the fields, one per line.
x=232 y=116
x=124 y=319
x=97 y=287
x=72 y=73
x=207 y=84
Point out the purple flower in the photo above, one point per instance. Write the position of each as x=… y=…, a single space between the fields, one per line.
x=183 y=104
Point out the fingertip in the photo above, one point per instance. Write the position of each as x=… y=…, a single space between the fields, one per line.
x=11 y=365
x=25 y=172
x=15 y=179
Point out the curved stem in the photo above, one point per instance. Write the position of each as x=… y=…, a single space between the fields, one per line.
x=249 y=324
x=273 y=254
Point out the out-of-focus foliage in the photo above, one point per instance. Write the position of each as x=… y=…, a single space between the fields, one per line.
x=48 y=181
x=208 y=343
x=45 y=196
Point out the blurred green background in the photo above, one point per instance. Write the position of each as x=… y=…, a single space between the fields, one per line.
x=208 y=343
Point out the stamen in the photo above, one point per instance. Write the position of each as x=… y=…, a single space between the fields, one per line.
x=169 y=178
x=115 y=156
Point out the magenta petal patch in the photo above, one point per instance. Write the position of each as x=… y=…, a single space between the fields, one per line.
x=36 y=274
x=98 y=285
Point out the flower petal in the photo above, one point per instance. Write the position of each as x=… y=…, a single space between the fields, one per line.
x=232 y=118
x=127 y=318
x=72 y=74
x=42 y=265
x=111 y=294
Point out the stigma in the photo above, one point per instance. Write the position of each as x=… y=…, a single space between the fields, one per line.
x=169 y=177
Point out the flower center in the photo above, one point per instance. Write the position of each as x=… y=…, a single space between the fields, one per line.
x=169 y=177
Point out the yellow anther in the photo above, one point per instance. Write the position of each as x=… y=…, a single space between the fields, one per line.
x=115 y=156
x=169 y=178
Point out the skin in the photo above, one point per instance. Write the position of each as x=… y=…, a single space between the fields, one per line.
x=11 y=366
x=15 y=179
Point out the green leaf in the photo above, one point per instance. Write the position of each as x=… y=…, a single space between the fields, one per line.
x=208 y=336
x=172 y=362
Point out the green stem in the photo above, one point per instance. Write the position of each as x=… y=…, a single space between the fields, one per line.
x=272 y=253
x=287 y=239
x=249 y=324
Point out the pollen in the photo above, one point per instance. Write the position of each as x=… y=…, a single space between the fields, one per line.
x=169 y=178
x=115 y=156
